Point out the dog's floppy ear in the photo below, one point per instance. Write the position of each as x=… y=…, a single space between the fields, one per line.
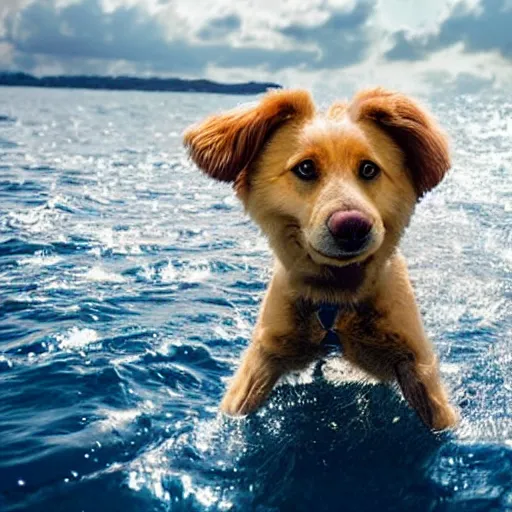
x=424 y=144
x=226 y=144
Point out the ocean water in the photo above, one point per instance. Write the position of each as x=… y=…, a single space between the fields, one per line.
x=129 y=285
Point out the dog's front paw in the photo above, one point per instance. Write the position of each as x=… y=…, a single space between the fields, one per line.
x=250 y=387
x=246 y=393
x=445 y=417
x=238 y=401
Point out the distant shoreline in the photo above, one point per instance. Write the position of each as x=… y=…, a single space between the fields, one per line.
x=127 y=83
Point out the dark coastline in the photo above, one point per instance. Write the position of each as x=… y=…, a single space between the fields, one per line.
x=126 y=83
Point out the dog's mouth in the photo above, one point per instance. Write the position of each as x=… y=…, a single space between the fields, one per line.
x=338 y=258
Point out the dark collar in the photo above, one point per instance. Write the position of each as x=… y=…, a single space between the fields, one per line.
x=326 y=315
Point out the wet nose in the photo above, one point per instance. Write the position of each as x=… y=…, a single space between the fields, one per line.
x=351 y=229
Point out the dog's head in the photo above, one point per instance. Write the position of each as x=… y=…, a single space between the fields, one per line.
x=327 y=189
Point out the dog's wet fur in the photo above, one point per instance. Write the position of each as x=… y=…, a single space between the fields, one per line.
x=333 y=192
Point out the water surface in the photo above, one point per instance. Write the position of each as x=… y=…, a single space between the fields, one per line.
x=129 y=285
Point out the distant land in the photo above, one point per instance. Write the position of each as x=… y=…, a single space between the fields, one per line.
x=127 y=83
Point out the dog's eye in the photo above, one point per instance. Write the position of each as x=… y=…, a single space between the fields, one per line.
x=305 y=170
x=368 y=170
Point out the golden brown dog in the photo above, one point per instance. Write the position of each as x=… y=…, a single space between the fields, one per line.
x=333 y=192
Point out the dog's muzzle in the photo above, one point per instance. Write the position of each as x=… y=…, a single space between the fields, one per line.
x=351 y=230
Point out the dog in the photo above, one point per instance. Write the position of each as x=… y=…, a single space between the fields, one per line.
x=333 y=192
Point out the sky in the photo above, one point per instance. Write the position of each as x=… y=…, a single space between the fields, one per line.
x=414 y=45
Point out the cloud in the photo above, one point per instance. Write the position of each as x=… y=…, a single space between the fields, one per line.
x=220 y=27
x=406 y=48
x=482 y=29
x=463 y=83
x=84 y=30
x=341 y=40
x=45 y=32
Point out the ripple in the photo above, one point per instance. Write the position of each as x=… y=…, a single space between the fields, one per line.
x=4 y=118
x=19 y=246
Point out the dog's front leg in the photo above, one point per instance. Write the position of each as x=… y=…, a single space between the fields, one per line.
x=386 y=337
x=253 y=381
x=422 y=388
x=382 y=348
x=283 y=341
x=416 y=365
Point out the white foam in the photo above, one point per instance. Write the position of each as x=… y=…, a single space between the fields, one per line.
x=100 y=275
x=196 y=272
x=8 y=362
x=116 y=420
x=168 y=274
x=121 y=242
x=77 y=339
x=58 y=285
x=41 y=259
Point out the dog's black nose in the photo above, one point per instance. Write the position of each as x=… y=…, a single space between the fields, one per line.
x=351 y=229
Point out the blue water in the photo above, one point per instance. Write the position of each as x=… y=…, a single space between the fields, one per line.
x=129 y=285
